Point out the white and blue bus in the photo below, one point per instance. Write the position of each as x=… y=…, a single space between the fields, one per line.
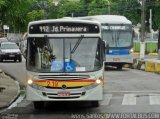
x=117 y=31
x=64 y=61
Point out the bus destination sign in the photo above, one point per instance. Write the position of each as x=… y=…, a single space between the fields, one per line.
x=116 y=27
x=53 y=28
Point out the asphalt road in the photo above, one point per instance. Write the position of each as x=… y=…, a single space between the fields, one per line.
x=16 y=69
x=127 y=92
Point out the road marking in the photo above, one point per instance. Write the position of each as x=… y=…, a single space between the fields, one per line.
x=106 y=99
x=129 y=99
x=154 y=99
x=144 y=91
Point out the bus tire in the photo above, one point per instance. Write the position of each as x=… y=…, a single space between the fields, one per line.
x=38 y=105
x=15 y=60
x=20 y=59
x=119 y=67
x=95 y=103
x=1 y=60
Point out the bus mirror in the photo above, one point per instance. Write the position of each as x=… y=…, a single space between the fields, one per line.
x=104 y=45
x=103 y=49
x=25 y=53
x=133 y=34
x=107 y=48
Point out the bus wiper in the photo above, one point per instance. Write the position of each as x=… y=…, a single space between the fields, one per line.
x=77 y=44
x=117 y=38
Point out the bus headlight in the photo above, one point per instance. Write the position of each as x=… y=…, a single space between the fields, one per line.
x=131 y=50
x=98 y=81
x=93 y=85
x=38 y=87
x=33 y=85
x=30 y=81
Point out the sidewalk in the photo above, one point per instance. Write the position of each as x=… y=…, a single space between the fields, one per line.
x=9 y=90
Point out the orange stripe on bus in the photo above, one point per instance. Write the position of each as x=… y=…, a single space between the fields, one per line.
x=66 y=80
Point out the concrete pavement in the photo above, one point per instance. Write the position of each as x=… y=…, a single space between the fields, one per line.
x=9 y=90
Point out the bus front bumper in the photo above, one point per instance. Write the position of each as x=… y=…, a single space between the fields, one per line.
x=80 y=94
x=119 y=59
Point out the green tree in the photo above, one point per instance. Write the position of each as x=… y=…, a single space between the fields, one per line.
x=127 y=8
x=13 y=13
x=154 y=5
x=98 y=7
x=69 y=8
x=17 y=13
x=39 y=10
x=85 y=4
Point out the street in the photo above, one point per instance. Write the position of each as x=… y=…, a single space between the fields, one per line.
x=59 y=48
x=125 y=91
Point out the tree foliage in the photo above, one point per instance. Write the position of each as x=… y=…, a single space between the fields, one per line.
x=98 y=7
x=13 y=14
x=17 y=13
x=129 y=9
x=69 y=8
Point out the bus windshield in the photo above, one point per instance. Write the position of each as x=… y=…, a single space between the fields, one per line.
x=117 y=35
x=63 y=54
x=117 y=38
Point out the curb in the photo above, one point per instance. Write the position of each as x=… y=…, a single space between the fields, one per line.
x=148 y=65
x=16 y=96
x=153 y=54
x=150 y=54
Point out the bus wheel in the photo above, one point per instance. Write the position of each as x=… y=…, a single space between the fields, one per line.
x=95 y=103
x=20 y=59
x=15 y=60
x=119 y=67
x=38 y=105
x=1 y=60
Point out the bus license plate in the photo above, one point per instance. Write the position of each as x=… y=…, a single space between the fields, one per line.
x=116 y=59
x=64 y=94
x=11 y=55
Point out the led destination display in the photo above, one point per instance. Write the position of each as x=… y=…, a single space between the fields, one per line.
x=54 y=28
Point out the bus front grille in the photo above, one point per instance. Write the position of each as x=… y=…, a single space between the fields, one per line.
x=64 y=97
x=63 y=77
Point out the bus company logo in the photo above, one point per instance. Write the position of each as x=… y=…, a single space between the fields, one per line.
x=64 y=86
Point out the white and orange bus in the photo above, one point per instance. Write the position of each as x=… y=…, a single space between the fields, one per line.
x=64 y=61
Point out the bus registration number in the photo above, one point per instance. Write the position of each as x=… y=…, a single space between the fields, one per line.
x=52 y=83
x=63 y=94
x=116 y=59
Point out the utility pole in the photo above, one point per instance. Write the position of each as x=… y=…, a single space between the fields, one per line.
x=159 y=43
x=142 y=46
x=72 y=14
x=150 y=20
x=150 y=23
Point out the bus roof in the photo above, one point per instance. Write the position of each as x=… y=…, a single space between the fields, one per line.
x=110 y=19
x=64 y=20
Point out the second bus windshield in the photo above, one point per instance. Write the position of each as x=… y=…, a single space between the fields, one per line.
x=117 y=38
